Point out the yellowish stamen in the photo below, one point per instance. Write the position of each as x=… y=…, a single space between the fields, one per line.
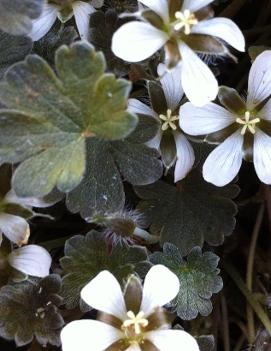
x=185 y=20
x=137 y=322
x=248 y=123
x=169 y=120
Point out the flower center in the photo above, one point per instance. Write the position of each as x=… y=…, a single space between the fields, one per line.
x=169 y=120
x=133 y=326
x=248 y=123
x=185 y=20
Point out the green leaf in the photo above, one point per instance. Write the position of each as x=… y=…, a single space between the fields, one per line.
x=206 y=342
x=47 y=45
x=16 y=16
x=198 y=276
x=101 y=190
x=86 y=256
x=102 y=28
x=191 y=213
x=29 y=309
x=49 y=118
x=122 y=5
x=13 y=49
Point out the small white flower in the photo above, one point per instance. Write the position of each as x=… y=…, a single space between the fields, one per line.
x=131 y=329
x=244 y=126
x=179 y=31
x=14 y=226
x=31 y=260
x=64 y=10
x=169 y=132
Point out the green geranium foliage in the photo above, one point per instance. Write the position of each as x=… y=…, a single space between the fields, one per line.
x=102 y=28
x=199 y=279
x=206 y=342
x=101 y=190
x=13 y=49
x=122 y=5
x=47 y=45
x=50 y=118
x=29 y=309
x=191 y=212
x=16 y=15
x=86 y=256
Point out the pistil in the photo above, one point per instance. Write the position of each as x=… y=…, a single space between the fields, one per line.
x=135 y=323
x=248 y=123
x=169 y=120
x=185 y=20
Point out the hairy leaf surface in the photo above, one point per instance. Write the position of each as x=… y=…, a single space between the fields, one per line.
x=199 y=279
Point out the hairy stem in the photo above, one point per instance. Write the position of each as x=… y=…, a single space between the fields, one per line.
x=249 y=274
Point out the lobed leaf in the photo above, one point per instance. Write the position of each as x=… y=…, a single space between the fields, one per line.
x=191 y=213
x=86 y=256
x=49 y=118
x=13 y=49
x=16 y=16
x=29 y=309
x=198 y=276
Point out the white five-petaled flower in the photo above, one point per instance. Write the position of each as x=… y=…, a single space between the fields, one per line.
x=182 y=31
x=169 y=135
x=245 y=126
x=64 y=10
x=130 y=330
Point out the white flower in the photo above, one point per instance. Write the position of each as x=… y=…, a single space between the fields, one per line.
x=244 y=126
x=14 y=212
x=132 y=316
x=181 y=31
x=64 y=10
x=170 y=140
x=31 y=260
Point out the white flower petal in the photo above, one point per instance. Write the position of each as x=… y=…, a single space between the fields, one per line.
x=27 y=201
x=104 y=294
x=87 y=335
x=259 y=82
x=265 y=112
x=222 y=28
x=82 y=10
x=136 y=41
x=171 y=83
x=185 y=157
x=32 y=260
x=43 y=24
x=154 y=292
x=97 y=3
x=136 y=106
x=15 y=228
x=198 y=81
x=195 y=5
x=158 y=6
x=204 y=120
x=156 y=141
x=133 y=347
x=172 y=340
x=223 y=164
x=262 y=156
